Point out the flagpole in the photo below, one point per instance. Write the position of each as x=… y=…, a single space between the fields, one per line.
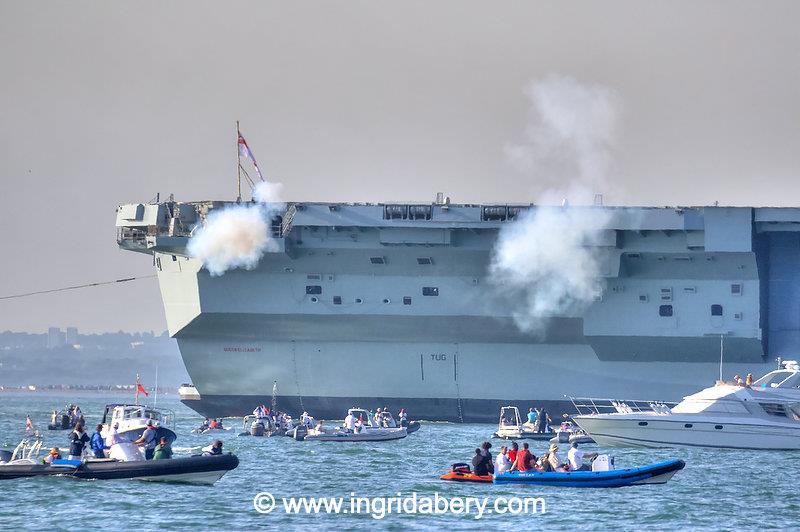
x=238 y=166
x=136 y=402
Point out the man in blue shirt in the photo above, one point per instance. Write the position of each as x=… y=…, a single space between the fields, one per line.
x=97 y=444
x=531 y=416
x=148 y=439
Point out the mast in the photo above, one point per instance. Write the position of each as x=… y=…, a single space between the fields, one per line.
x=136 y=402
x=238 y=166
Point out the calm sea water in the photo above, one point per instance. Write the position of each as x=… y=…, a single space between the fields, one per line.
x=716 y=490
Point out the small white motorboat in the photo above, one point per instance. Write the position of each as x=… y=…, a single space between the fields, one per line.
x=366 y=429
x=132 y=421
x=510 y=427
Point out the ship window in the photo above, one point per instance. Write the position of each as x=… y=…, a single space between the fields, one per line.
x=358 y=300
x=424 y=260
x=377 y=260
x=643 y=298
x=718 y=427
x=314 y=299
x=406 y=300
x=665 y=311
x=690 y=289
x=736 y=289
x=313 y=277
x=337 y=300
x=716 y=310
x=430 y=291
x=387 y=300
x=643 y=423
x=174 y=258
x=666 y=294
x=688 y=425
x=737 y=316
x=313 y=289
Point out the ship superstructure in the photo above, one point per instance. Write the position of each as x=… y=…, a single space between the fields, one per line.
x=392 y=305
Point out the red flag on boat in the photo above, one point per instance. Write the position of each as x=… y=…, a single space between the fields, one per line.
x=140 y=388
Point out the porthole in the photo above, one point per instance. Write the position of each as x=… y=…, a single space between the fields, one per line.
x=387 y=300
x=314 y=299
x=718 y=427
x=643 y=423
x=687 y=426
x=358 y=300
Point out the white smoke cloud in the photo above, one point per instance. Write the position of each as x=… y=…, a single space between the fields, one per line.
x=238 y=236
x=548 y=255
x=568 y=148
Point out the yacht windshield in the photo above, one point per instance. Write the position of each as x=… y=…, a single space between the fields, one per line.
x=773 y=379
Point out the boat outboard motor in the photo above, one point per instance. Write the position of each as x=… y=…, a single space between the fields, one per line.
x=300 y=432
x=563 y=436
x=257 y=428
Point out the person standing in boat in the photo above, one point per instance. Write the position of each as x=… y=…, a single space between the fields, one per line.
x=350 y=422
x=77 y=441
x=163 y=450
x=97 y=444
x=114 y=437
x=532 y=416
x=148 y=440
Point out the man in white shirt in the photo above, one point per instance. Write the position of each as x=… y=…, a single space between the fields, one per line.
x=350 y=422
x=575 y=457
x=502 y=463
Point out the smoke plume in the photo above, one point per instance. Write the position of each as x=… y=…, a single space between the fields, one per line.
x=238 y=236
x=548 y=256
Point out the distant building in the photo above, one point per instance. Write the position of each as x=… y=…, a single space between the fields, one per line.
x=72 y=335
x=55 y=338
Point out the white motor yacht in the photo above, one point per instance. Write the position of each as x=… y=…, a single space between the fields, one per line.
x=764 y=415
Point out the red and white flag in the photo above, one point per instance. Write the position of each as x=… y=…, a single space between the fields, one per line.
x=247 y=153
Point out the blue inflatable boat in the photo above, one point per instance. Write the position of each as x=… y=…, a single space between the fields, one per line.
x=658 y=473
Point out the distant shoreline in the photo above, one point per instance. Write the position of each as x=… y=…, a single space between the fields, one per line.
x=82 y=390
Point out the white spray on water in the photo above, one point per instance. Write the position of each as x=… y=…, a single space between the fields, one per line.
x=548 y=255
x=238 y=236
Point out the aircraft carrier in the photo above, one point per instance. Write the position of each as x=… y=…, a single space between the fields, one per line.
x=393 y=305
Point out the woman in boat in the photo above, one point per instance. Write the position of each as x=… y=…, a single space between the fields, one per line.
x=54 y=454
x=77 y=441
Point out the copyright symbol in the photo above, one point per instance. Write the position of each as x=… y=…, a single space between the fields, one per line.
x=264 y=502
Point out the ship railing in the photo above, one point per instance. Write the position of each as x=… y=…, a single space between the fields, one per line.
x=586 y=406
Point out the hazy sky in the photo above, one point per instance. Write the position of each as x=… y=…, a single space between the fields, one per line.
x=106 y=102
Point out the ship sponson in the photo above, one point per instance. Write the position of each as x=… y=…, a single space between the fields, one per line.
x=394 y=303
